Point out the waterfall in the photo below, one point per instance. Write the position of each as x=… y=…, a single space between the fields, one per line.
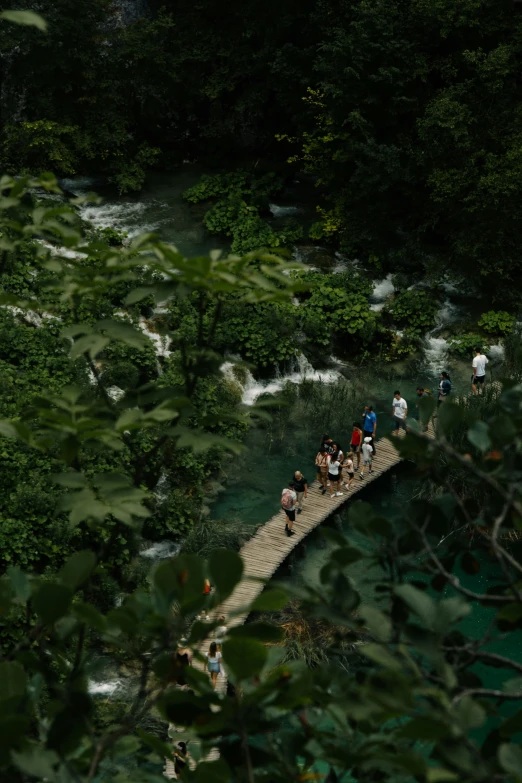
x=160 y=342
x=107 y=688
x=436 y=354
x=284 y=211
x=160 y=550
x=496 y=352
x=436 y=348
x=30 y=316
x=301 y=370
x=381 y=292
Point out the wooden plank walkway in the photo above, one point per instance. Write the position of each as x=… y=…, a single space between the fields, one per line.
x=270 y=546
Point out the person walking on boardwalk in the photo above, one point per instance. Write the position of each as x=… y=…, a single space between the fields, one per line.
x=479 y=371
x=288 y=502
x=220 y=632
x=301 y=489
x=327 y=444
x=334 y=474
x=400 y=411
x=444 y=388
x=340 y=457
x=321 y=468
x=213 y=663
x=367 y=459
x=356 y=442
x=182 y=661
x=422 y=392
x=350 y=470
x=369 y=425
x=181 y=756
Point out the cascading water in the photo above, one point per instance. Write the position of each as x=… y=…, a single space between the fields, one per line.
x=436 y=348
x=284 y=211
x=381 y=292
x=301 y=371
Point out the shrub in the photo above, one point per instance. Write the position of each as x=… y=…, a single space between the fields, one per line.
x=339 y=306
x=497 y=322
x=465 y=344
x=414 y=310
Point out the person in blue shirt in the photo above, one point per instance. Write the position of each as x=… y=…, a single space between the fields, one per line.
x=444 y=387
x=369 y=424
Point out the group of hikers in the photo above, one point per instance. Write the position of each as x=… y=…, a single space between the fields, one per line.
x=336 y=470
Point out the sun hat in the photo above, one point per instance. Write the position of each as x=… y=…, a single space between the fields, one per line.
x=367 y=440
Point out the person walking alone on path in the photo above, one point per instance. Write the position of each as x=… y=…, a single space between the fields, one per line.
x=334 y=467
x=356 y=442
x=301 y=489
x=220 y=632
x=400 y=411
x=369 y=425
x=288 y=501
x=350 y=470
x=321 y=467
x=444 y=388
x=213 y=663
x=479 y=371
x=367 y=453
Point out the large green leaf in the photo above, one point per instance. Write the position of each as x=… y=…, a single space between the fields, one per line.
x=77 y=569
x=510 y=758
x=20 y=583
x=52 y=601
x=270 y=600
x=244 y=657
x=25 y=17
x=478 y=436
x=226 y=570
x=13 y=681
x=419 y=602
x=263 y=632
x=425 y=728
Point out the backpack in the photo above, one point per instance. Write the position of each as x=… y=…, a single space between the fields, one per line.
x=286 y=499
x=428 y=392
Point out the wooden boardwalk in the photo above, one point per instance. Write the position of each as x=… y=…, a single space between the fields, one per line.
x=270 y=546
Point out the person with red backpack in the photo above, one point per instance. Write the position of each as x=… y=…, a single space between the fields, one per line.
x=288 y=503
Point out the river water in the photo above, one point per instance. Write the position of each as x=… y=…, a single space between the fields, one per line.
x=254 y=480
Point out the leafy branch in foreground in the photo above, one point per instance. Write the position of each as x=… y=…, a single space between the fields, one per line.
x=406 y=704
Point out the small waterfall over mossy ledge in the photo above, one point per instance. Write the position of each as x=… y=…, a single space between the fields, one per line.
x=301 y=370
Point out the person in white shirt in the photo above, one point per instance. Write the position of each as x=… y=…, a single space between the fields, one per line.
x=479 y=371
x=367 y=452
x=400 y=411
x=334 y=474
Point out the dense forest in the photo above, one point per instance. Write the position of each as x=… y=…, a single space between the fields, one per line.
x=406 y=114
x=125 y=369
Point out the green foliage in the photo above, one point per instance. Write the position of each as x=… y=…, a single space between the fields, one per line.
x=240 y=195
x=496 y=322
x=465 y=344
x=241 y=184
x=263 y=334
x=337 y=306
x=413 y=310
x=43 y=145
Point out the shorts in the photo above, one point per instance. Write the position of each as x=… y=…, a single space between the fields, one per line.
x=355 y=447
x=214 y=667
x=290 y=513
x=399 y=423
x=367 y=460
x=351 y=475
x=331 y=476
x=478 y=379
